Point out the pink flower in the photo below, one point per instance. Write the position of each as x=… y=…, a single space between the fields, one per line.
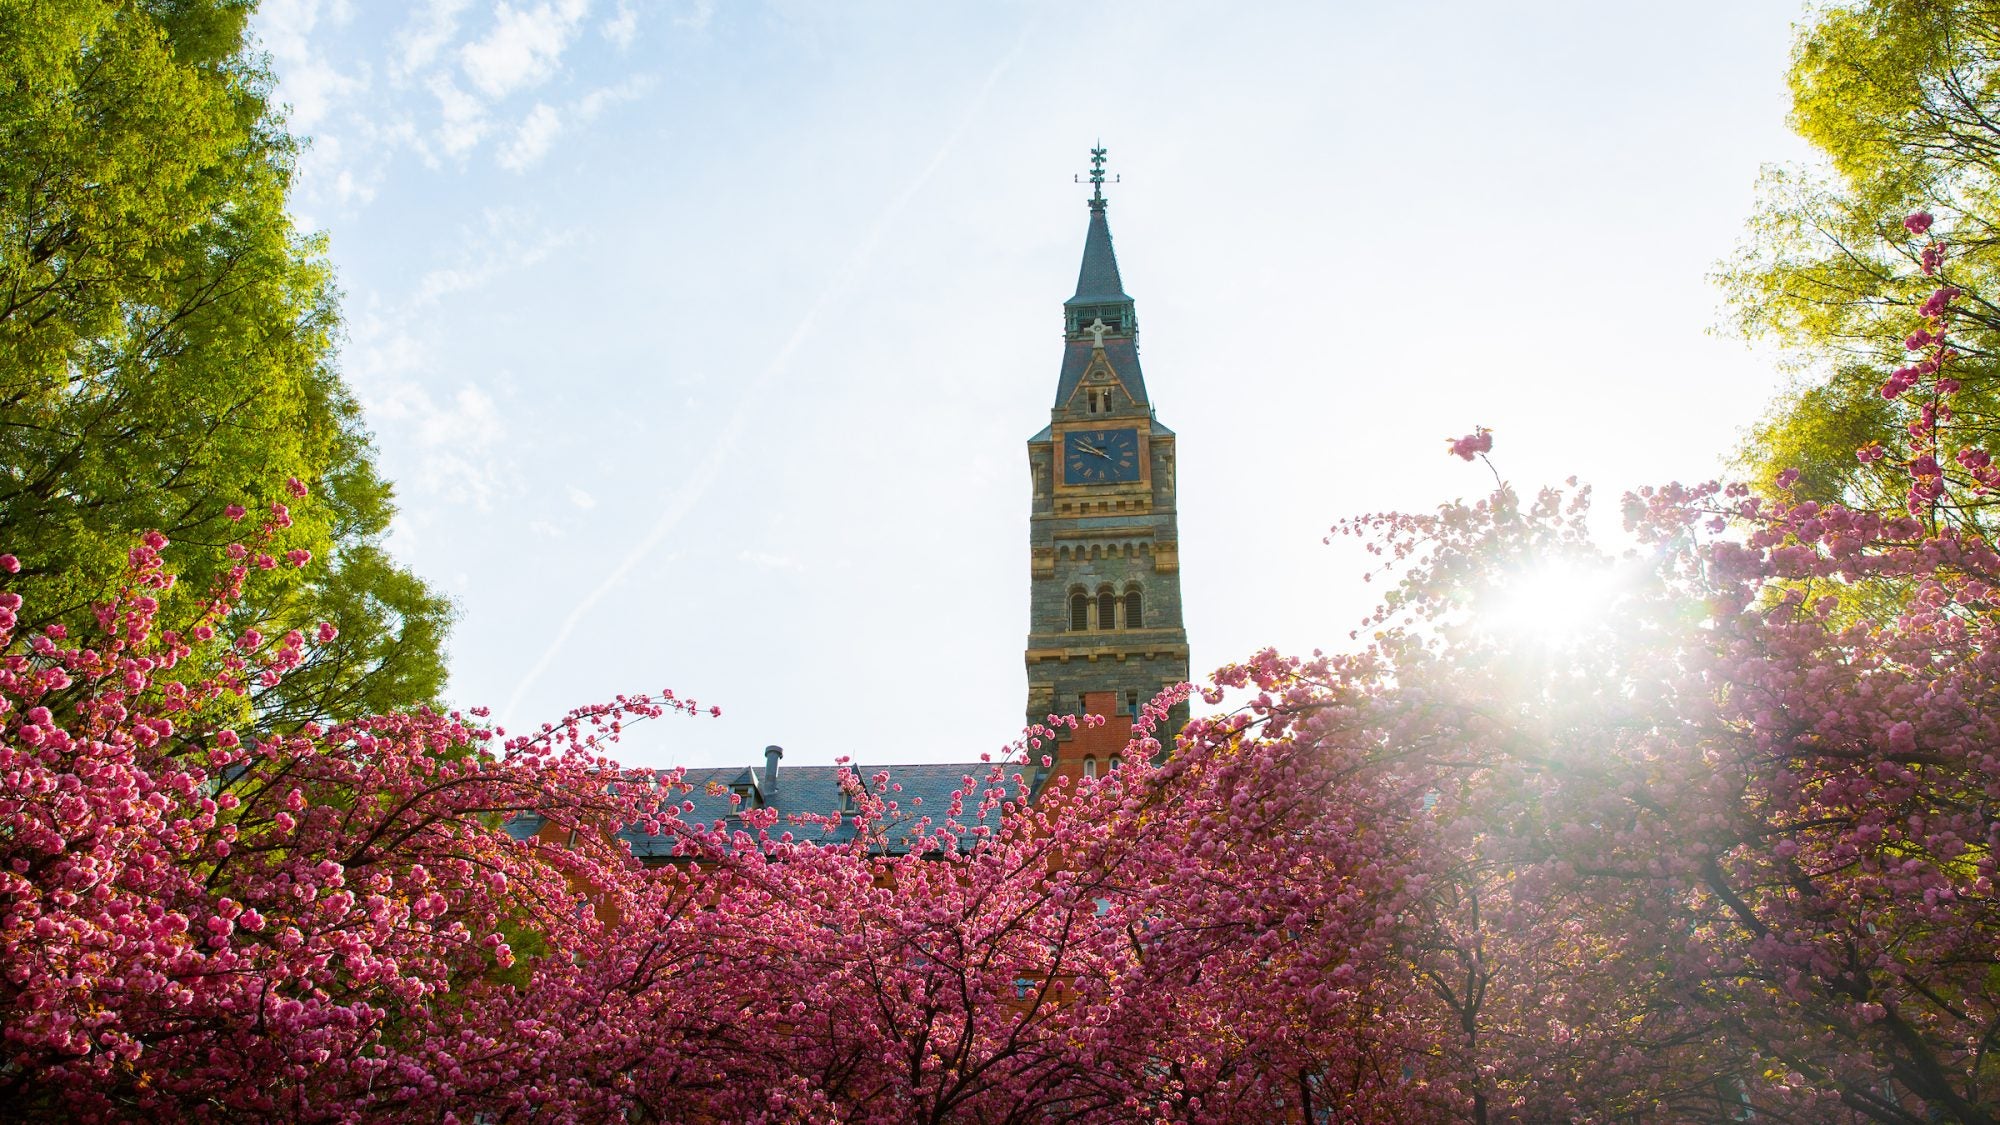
x=154 y=540
x=281 y=515
x=1918 y=223
x=298 y=556
x=234 y=511
x=325 y=633
x=265 y=562
x=10 y=564
x=1479 y=441
x=1902 y=379
x=1935 y=304
x=295 y=486
x=1902 y=737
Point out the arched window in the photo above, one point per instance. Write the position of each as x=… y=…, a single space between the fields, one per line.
x=1090 y=767
x=1079 y=612
x=1107 y=610
x=1135 y=617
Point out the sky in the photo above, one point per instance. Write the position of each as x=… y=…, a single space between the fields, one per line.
x=703 y=339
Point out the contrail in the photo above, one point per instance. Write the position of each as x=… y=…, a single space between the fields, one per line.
x=696 y=486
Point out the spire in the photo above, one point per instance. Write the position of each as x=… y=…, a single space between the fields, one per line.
x=1100 y=329
x=1098 y=282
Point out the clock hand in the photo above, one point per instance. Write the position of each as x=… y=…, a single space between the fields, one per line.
x=1089 y=448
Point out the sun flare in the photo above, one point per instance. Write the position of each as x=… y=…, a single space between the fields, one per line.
x=1552 y=603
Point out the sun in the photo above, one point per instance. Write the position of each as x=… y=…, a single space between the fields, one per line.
x=1556 y=602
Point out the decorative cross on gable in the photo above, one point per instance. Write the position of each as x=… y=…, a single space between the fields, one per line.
x=1097 y=330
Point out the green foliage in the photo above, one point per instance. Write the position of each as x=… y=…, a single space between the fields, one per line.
x=1903 y=98
x=167 y=341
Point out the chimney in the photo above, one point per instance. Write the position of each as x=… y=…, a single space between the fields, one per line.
x=771 y=756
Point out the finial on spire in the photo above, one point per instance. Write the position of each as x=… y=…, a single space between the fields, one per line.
x=1097 y=176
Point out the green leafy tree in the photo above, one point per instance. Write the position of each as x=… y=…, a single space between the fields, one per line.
x=167 y=343
x=1902 y=97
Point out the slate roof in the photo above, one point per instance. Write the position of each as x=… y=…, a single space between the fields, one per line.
x=927 y=790
x=1098 y=283
x=1122 y=351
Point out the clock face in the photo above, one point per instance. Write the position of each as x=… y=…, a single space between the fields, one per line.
x=1099 y=456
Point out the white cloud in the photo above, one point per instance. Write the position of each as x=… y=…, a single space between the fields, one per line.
x=285 y=26
x=451 y=438
x=581 y=498
x=312 y=87
x=598 y=100
x=469 y=60
x=697 y=16
x=452 y=448
x=622 y=26
x=348 y=189
x=532 y=140
x=463 y=117
x=378 y=351
x=768 y=562
x=307 y=81
x=524 y=47
x=420 y=41
x=496 y=250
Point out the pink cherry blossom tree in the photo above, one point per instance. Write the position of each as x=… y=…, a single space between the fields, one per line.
x=271 y=926
x=1703 y=830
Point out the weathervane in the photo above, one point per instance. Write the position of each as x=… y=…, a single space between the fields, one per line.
x=1097 y=174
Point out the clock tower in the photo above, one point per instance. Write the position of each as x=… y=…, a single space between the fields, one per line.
x=1105 y=631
